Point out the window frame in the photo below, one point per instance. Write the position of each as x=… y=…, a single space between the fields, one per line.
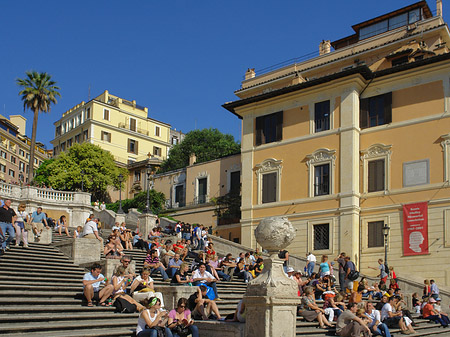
x=375 y=152
x=134 y=123
x=262 y=123
x=157 y=131
x=135 y=145
x=310 y=228
x=314 y=117
x=364 y=232
x=317 y=158
x=106 y=136
x=365 y=105
x=269 y=166
x=202 y=175
x=106 y=115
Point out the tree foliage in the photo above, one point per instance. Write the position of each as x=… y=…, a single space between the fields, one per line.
x=65 y=171
x=38 y=93
x=157 y=200
x=206 y=144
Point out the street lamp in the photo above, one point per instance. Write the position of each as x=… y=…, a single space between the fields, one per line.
x=120 y=210
x=82 y=180
x=149 y=173
x=385 y=229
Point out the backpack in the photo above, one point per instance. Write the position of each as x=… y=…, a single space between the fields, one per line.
x=354 y=274
x=125 y=307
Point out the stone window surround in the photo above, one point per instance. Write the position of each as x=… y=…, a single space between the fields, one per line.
x=270 y=165
x=376 y=152
x=106 y=113
x=364 y=230
x=310 y=231
x=446 y=149
x=311 y=107
x=447 y=228
x=320 y=157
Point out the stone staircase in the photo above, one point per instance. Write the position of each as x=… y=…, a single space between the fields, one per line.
x=41 y=294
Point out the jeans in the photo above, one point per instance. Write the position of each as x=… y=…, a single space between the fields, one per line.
x=201 y=244
x=192 y=329
x=310 y=268
x=443 y=320
x=186 y=236
x=162 y=272
x=209 y=284
x=382 y=330
x=153 y=333
x=7 y=228
x=221 y=274
x=171 y=271
x=342 y=281
x=243 y=274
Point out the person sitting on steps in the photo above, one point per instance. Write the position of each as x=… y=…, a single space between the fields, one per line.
x=91 y=284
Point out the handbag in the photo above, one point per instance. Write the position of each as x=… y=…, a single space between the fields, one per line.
x=181 y=330
x=353 y=275
x=123 y=306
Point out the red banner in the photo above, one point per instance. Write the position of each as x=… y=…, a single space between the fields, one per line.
x=415 y=229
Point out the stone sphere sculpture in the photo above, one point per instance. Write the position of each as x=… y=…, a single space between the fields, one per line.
x=274 y=233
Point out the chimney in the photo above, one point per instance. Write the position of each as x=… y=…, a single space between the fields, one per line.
x=250 y=73
x=324 y=47
x=192 y=159
x=439 y=8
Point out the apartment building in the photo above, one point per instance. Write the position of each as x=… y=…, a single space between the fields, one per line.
x=355 y=140
x=15 y=150
x=117 y=125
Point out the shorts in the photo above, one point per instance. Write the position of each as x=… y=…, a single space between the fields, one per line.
x=19 y=224
x=38 y=225
x=89 y=236
x=392 y=322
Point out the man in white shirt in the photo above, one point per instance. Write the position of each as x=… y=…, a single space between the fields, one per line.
x=201 y=276
x=90 y=230
x=375 y=325
x=311 y=263
x=91 y=285
x=394 y=319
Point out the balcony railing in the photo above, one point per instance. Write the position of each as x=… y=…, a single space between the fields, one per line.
x=138 y=130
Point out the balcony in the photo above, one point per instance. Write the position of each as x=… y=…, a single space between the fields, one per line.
x=138 y=130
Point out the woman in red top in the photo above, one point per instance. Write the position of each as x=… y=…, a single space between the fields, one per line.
x=426 y=288
x=210 y=250
x=430 y=313
x=393 y=284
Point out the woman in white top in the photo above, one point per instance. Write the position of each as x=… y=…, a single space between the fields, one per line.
x=62 y=224
x=19 y=226
x=150 y=318
x=142 y=287
x=120 y=282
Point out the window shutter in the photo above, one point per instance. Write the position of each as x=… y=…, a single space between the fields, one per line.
x=132 y=124
x=269 y=188
x=136 y=148
x=363 y=112
x=376 y=175
x=388 y=108
x=279 y=130
x=372 y=176
x=129 y=145
x=259 y=126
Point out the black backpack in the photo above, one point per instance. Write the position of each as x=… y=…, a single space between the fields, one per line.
x=125 y=307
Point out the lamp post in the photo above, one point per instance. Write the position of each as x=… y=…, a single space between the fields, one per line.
x=120 y=210
x=385 y=229
x=82 y=180
x=148 y=210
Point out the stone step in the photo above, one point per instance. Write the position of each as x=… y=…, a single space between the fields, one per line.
x=58 y=316
x=31 y=253
x=113 y=332
x=31 y=301
x=120 y=321
x=47 y=279
x=35 y=293
x=66 y=309
x=41 y=287
x=11 y=262
x=34 y=272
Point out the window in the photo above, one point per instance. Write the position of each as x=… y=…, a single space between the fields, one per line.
x=376 y=175
x=132 y=146
x=269 y=187
x=137 y=175
x=376 y=166
x=157 y=131
x=321 y=236
x=376 y=110
x=156 y=151
x=106 y=114
x=88 y=113
x=21 y=166
x=85 y=134
x=269 y=128
x=13 y=159
x=77 y=138
x=58 y=131
x=2 y=168
x=322 y=116
x=106 y=136
x=202 y=190
x=63 y=146
x=321 y=180
x=11 y=173
x=235 y=182
x=375 y=234
x=3 y=154
x=69 y=142
x=132 y=124
x=21 y=153
x=179 y=195
x=400 y=60
x=174 y=140
x=27 y=156
x=35 y=161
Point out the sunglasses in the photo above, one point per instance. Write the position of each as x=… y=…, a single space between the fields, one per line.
x=182 y=306
x=126 y=261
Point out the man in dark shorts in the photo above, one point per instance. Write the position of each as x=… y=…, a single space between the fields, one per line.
x=201 y=306
x=92 y=282
x=7 y=217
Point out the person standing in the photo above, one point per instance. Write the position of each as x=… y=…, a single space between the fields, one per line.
x=38 y=219
x=383 y=275
x=7 y=218
x=311 y=263
x=434 y=289
x=341 y=261
x=20 y=226
x=284 y=255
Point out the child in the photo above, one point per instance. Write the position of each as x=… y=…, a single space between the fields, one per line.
x=392 y=274
x=416 y=303
x=77 y=232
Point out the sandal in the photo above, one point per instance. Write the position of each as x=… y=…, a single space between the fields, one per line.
x=103 y=304
x=90 y=304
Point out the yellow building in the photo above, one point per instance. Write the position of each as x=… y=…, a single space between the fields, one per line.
x=117 y=125
x=342 y=142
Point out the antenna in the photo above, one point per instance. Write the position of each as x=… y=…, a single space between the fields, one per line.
x=89 y=92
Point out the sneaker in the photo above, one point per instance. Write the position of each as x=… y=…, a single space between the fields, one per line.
x=7 y=248
x=167 y=280
x=218 y=299
x=16 y=245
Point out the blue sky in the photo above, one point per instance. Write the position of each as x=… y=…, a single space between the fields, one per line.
x=182 y=59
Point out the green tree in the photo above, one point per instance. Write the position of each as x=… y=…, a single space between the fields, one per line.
x=206 y=144
x=157 y=200
x=38 y=93
x=65 y=171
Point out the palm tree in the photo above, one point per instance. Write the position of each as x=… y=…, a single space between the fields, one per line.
x=38 y=93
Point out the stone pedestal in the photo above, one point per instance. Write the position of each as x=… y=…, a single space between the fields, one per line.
x=146 y=223
x=46 y=236
x=272 y=297
x=81 y=251
x=171 y=294
x=120 y=218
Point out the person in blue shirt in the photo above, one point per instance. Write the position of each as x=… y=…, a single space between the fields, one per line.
x=38 y=219
x=92 y=282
